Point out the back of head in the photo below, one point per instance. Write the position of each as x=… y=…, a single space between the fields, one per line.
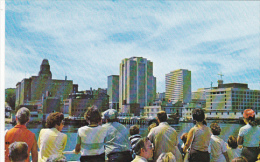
x=151 y=126
x=162 y=116
x=198 y=115
x=249 y=115
x=93 y=114
x=166 y=157
x=232 y=142
x=240 y=159
x=56 y=158
x=140 y=144
x=215 y=128
x=18 y=151
x=110 y=115
x=134 y=130
x=54 y=119
x=23 y=115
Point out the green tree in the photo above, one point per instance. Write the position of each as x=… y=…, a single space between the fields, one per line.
x=10 y=97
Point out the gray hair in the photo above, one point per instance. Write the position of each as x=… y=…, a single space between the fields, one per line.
x=57 y=158
x=23 y=115
x=18 y=151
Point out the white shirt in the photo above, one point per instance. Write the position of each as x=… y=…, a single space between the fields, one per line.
x=91 y=140
x=233 y=153
x=251 y=135
x=50 y=142
x=217 y=148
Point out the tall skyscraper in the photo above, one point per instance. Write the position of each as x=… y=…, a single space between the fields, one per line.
x=137 y=85
x=113 y=91
x=178 y=86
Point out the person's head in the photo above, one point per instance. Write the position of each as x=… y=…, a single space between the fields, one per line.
x=23 y=115
x=151 y=126
x=134 y=130
x=56 y=158
x=232 y=142
x=55 y=120
x=18 y=151
x=184 y=137
x=110 y=115
x=198 y=115
x=249 y=117
x=144 y=148
x=166 y=157
x=240 y=159
x=93 y=115
x=162 y=116
x=215 y=128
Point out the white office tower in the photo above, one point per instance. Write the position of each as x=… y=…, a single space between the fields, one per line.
x=137 y=85
x=178 y=86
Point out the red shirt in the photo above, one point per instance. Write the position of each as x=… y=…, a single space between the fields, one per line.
x=19 y=134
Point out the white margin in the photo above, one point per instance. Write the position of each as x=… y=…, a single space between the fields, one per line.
x=2 y=76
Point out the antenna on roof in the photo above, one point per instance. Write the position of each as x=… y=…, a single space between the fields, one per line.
x=221 y=75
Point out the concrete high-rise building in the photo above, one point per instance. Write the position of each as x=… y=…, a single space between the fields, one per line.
x=137 y=85
x=113 y=91
x=178 y=86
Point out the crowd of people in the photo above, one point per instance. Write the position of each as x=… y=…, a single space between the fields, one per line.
x=113 y=142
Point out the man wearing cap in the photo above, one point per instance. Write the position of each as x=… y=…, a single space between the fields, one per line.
x=117 y=145
x=21 y=134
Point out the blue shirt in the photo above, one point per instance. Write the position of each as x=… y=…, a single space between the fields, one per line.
x=116 y=139
x=251 y=135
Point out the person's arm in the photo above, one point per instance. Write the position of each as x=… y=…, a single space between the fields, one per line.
x=78 y=145
x=239 y=140
x=189 y=140
x=226 y=156
x=77 y=148
x=64 y=142
x=34 y=151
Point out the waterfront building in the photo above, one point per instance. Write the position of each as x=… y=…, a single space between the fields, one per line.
x=169 y=108
x=137 y=85
x=113 y=91
x=178 y=86
x=228 y=101
x=77 y=103
x=42 y=91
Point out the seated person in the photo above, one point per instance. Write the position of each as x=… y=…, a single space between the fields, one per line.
x=143 y=150
x=217 y=145
x=18 y=152
x=232 y=149
x=51 y=141
x=134 y=132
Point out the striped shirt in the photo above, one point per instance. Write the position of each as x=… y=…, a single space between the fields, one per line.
x=133 y=140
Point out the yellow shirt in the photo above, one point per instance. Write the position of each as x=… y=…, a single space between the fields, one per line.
x=50 y=142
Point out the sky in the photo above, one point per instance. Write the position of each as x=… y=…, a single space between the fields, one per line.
x=87 y=40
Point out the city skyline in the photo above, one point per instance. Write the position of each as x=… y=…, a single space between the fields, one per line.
x=87 y=40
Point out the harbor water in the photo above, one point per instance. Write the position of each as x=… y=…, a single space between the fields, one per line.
x=71 y=131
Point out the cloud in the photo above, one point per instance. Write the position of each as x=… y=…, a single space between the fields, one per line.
x=86 y=40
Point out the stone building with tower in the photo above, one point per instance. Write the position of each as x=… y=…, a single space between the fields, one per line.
x=43 y=93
